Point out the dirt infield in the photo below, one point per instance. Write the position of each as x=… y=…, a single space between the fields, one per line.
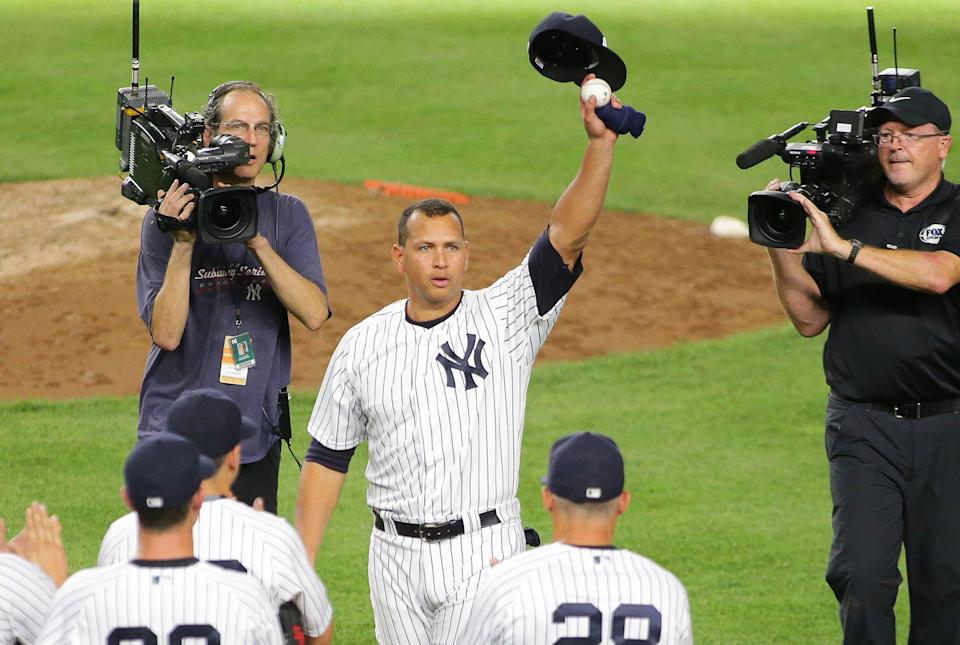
x=68 y=317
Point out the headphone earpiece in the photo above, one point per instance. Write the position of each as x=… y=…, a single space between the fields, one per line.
x=276 y=144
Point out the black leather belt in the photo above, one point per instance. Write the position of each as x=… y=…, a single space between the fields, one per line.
x=916 y=409
x=436 y=530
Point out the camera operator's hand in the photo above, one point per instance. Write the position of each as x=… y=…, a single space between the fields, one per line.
x=823 y=239
x=595 y=127
x=178 y=203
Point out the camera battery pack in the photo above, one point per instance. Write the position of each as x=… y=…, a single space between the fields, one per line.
x=131 y=102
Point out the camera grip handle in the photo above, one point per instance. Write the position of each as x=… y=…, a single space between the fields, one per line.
x=167 y=224
x=622 y=121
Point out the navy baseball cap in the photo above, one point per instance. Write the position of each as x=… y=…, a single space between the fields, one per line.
x=164 y=471
x=566 y=48
x=209 y=419
x=912 y=106
x=585 y=467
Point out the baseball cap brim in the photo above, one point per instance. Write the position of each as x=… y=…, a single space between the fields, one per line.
x=879 y=116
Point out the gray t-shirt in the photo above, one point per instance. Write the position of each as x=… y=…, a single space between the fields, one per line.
x=223 y=276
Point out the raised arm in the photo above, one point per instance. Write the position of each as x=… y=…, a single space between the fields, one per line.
x=931 y=272
x=579 y=207
x=798 y=291
x=172 y=302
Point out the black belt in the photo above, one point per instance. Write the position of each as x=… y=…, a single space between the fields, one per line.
x=916 y=409
x=436 y=530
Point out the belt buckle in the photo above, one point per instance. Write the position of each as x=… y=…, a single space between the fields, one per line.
x=903 y=410
x=432 y=532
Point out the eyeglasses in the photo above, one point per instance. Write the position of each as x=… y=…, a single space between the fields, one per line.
x=906 y=139
x=242 y=127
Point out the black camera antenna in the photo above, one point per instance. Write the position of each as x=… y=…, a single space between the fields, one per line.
x=896 y=65
x=135 y=63
x=874 y=67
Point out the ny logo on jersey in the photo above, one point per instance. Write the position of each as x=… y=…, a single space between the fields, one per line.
x=253 y=291
x=452 y=362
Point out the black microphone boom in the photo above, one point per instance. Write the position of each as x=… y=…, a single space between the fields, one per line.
x=760 y=151
x=766 y=148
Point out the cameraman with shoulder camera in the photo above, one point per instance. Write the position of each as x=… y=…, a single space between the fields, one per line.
x=217 y=313
x=885 y=283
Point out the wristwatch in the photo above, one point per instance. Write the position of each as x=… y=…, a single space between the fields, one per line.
x=855 y=246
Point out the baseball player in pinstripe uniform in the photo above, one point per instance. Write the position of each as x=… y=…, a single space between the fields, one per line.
x=436 y=384
x=581 y=588
x=264 y=545
x=165 y=595
x=32 y=566
x=25 y=595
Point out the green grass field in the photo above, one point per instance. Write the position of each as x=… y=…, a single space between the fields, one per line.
x=724 y=449
x=723 y=439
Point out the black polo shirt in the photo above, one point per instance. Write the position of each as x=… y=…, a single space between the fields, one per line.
x=887 y=343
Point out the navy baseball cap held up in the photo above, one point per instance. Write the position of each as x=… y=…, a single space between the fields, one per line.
x=585 y=467
x=566 y=48
x=912 y=106
x=209 y=419
x=164 y=471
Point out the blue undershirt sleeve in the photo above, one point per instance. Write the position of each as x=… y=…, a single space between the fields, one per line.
x=338 y=460
x=551 y=277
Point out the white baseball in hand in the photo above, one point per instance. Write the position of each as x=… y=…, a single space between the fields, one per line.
x=598 y=89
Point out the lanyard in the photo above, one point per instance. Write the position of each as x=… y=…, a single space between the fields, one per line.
x=236 y=289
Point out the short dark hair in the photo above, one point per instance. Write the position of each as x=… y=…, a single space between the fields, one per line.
x=586 y=510
x=161 y=519
x=431 y=207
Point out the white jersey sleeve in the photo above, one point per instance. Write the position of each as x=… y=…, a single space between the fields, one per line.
x=515 y=300
x=559 y=591
x=338 y=421
x=25 y=595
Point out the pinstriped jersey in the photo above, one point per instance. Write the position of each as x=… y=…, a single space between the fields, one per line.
x=442 y=407
x=601 y=595
x=266 y=545
x=25 y=595
x=161 y=602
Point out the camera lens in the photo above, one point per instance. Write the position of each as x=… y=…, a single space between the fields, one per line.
x=775 y=220
x=227 y=215
x=224 y=217
x=779 y=222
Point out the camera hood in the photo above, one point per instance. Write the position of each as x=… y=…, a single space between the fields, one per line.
x=775 y=221
x=227 y=215
x=566 y=48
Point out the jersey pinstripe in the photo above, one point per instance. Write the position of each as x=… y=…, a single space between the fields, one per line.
x=25 y=595
x=442 y=408
x=128 y=602
x=266 y=545
x=561 y=591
